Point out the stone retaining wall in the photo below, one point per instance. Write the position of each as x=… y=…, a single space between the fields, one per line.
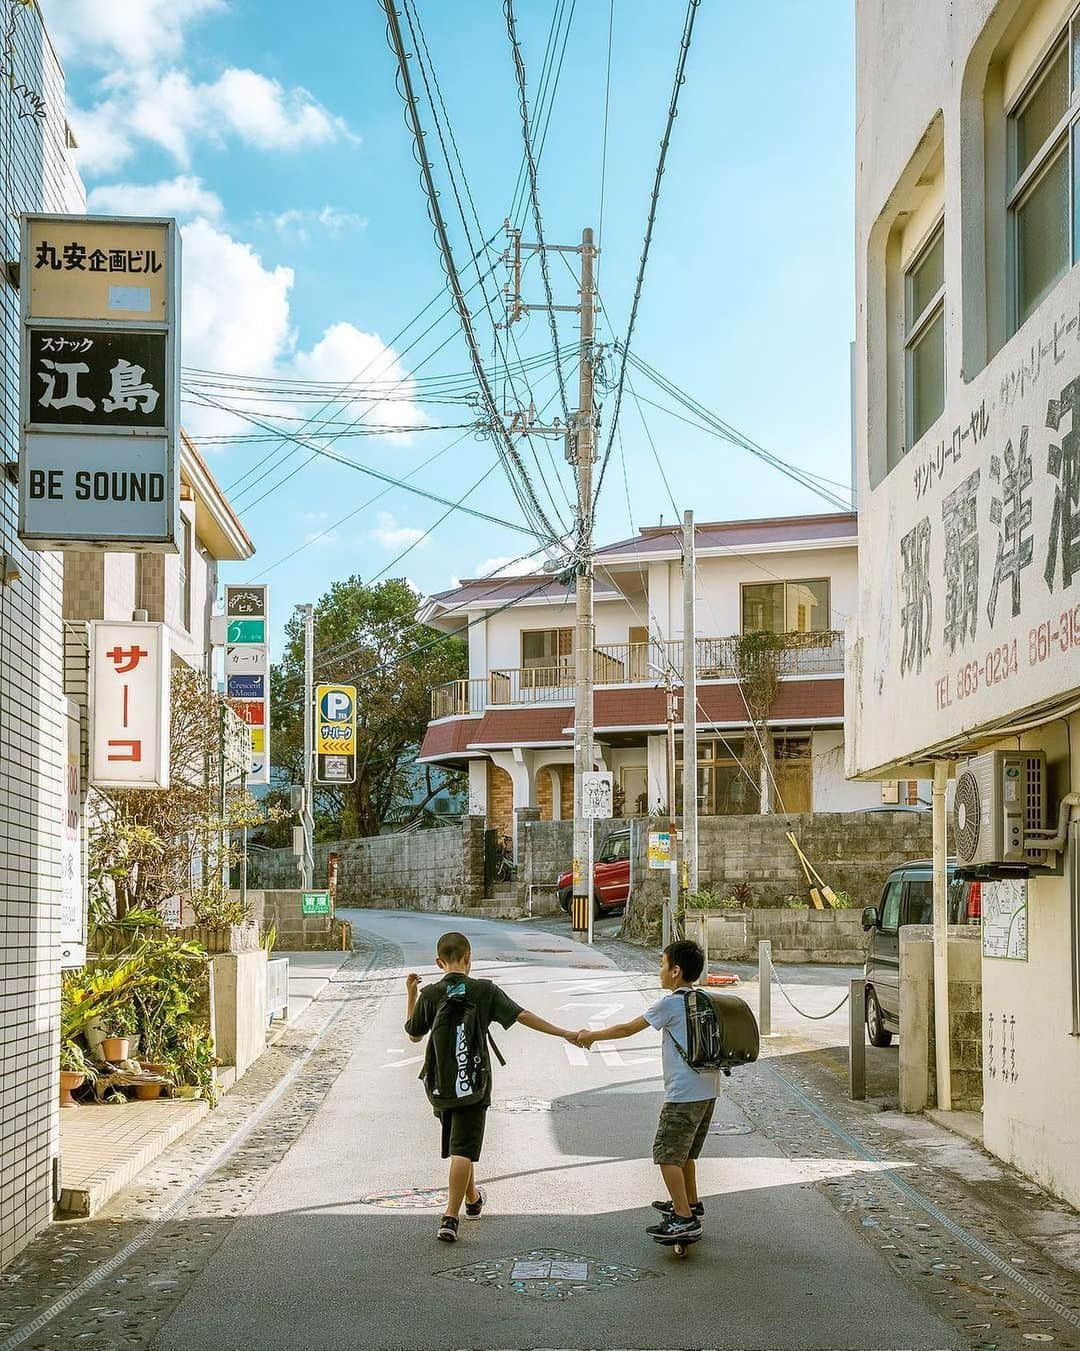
x=833 y=936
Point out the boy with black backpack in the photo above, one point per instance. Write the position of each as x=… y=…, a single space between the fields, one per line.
x=694 y=1054
x=458 y=1011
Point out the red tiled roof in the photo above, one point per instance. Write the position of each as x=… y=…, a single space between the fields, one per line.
x=524 y=726
x=449 y=737
x=796 y=699
x=741 y=534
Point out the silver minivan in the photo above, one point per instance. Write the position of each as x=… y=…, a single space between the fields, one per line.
x=906 y=898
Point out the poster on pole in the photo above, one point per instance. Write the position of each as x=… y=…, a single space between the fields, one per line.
x=99 y=383
x=660 y=849
x=597 y=795
x=247 y=670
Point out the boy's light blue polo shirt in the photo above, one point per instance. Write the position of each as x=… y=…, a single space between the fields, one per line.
x=682 y=1083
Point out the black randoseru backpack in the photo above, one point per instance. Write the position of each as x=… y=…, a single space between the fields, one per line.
x=722 y=1032
x=455 y=1071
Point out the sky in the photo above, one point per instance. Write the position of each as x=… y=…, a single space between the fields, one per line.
x=275 y=134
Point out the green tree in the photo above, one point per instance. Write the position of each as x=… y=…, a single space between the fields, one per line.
x=367 y=636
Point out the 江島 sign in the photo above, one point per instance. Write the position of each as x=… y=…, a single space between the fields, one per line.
x=247 y=669
x=129 y=705
x=99 y=383
x=335 y=734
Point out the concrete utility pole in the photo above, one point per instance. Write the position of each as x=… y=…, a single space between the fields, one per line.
x=943 y=1050
x=671 y=909
x=584 y=447
x=689 y=748
x=307 y=813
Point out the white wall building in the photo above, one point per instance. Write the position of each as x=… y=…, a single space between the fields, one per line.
x=968 y=446
x=510 y=723
x=36 y=174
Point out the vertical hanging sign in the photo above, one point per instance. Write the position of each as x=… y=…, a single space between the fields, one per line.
x=129 y=705
x=72 y=890
x=99 y=386
x=335 y=734
x=247 y=669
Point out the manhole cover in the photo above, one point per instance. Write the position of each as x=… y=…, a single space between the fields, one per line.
x=529 y=1105
x=730 y=1128
x=547 y=1273
x=410 y=1199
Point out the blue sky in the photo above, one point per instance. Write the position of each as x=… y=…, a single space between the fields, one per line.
x=274 y=132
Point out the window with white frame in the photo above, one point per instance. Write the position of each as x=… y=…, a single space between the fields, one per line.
x=1043 y=145
x=924 y=335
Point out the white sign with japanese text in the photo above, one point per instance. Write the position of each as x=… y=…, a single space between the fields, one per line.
x=597 y=795
x=99 y=386
x=129 y=705
x=969 y=557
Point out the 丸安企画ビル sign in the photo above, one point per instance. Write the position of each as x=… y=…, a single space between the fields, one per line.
x=99 y=384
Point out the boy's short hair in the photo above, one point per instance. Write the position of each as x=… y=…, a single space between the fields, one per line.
x=687 y=956
x=453 y=947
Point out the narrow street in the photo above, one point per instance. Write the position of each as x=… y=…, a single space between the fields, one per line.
x=341 y=1176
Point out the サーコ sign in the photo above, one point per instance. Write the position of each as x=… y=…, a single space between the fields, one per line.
x=129 y=705
x=99 y=383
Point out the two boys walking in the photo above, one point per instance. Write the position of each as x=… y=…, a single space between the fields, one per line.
x=457 y=1011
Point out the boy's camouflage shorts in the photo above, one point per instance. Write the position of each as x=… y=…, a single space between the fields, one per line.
x=681 y=1131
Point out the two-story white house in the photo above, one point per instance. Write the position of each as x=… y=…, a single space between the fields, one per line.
x=967 y=418
x=510 y=724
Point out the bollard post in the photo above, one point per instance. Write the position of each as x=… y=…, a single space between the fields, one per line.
x=857 y=1040
x=764 y=967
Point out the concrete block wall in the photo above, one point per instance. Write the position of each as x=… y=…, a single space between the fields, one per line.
x=918 y=1062
x=834 y=936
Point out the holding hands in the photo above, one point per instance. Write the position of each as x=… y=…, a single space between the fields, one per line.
x=585 y=1037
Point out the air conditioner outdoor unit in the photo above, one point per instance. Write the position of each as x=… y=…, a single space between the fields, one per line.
x=999 y=810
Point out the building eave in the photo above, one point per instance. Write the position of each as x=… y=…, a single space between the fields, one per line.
x=217 y=525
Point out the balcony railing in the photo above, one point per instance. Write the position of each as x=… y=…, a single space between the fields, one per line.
x=800 y=654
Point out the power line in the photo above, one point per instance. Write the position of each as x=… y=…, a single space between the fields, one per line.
x=603 y=152
x=673 y=109
x=518 y=476
x=534 y=195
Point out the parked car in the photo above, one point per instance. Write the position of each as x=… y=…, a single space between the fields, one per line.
x=611 y=877
x=907 y=898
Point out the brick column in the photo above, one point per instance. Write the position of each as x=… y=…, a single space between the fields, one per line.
x=472 y=859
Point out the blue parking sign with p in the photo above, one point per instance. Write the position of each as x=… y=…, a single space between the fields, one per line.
x=335 y=734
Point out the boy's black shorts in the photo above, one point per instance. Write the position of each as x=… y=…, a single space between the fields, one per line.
x=463 y=1131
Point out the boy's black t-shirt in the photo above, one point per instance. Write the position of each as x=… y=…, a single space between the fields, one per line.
x=493 y=1003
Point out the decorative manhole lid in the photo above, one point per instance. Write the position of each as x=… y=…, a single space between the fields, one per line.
x=730 y=1128
x=530 y=1105
x=547 y=1273
x=412 y=1198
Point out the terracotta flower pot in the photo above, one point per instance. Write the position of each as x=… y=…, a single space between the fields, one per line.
x=148 y=1092
x=116 y=1049
x=69 y=1081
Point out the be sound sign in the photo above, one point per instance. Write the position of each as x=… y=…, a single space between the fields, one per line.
x=99 y=380
x=335 y=734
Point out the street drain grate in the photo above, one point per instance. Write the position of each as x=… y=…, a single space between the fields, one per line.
x=730 y=1128
x=547 y=1273
x=412 y=1198
x=529 y=1105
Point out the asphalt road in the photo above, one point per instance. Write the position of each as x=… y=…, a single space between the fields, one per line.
x=560 y=1258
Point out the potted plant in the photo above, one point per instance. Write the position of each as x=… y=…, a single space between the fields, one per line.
x=122 y=1039
x=75 y=1070
x=196 y=1063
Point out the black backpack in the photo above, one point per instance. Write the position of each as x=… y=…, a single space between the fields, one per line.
x=721 y=1031
x=456 y=1072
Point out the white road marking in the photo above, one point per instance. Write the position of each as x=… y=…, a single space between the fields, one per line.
x=577 y=1055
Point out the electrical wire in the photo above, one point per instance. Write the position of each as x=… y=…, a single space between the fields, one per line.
x=534 y=195
x=604 y=141
x=521 y=484
x=673 y=109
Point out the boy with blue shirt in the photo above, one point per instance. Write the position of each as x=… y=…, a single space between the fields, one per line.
x=689 y=1094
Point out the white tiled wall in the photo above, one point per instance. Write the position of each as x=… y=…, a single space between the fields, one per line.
x=35 y=174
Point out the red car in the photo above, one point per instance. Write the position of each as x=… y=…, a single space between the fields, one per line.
x=611 y=877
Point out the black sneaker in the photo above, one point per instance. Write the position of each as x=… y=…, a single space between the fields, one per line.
x=448 y=1228
x=668 y=1208
x=674 y=1228
x=474 y=1209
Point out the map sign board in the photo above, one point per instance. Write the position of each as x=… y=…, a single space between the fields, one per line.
x=99 y=383
x=1004 y=918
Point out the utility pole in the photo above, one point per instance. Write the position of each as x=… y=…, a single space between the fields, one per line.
x=581 y=452
x=672 y=907
x=584 y=444
x=307 y=814
x=689 y=741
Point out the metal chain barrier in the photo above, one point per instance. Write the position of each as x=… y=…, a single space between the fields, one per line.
x=815 y=1017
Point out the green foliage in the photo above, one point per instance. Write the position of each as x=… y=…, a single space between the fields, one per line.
x=844 y=900
x=373 y=641
x=737 y=897
x=98 y=994
x=75 y=1060
x=215 y=907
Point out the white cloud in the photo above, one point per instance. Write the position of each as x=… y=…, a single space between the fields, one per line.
x=344 y=353
x=391 y=535
x=185 y=195
x=507 y=566
x=137 y=32
x=169 y=109
x=298 y=223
